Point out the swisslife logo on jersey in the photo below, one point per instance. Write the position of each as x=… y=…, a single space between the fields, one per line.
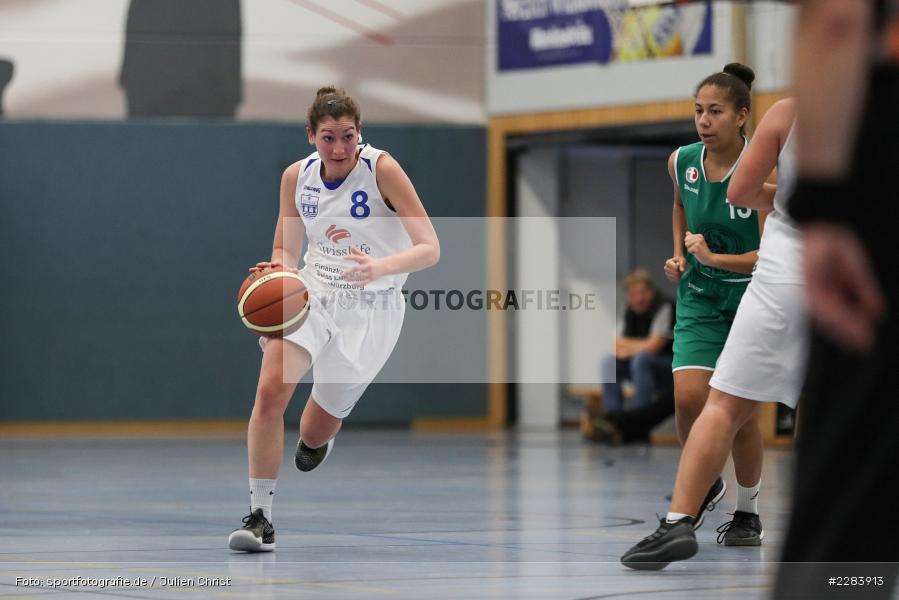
x=692 y=174
x=335 y=234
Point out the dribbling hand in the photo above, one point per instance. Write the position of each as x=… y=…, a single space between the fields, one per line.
x=675 y=267
x=261 y=266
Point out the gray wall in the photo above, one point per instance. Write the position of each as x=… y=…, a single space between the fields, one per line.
x=630 y=183
x=653 y=204
x=627 y=181
x=123 y=246
x=596 y=182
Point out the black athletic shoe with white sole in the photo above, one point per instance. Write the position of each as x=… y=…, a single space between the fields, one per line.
x=256 y=535
x=745 y=529
x=670 y=542
x=716 y=493
x=307 y=458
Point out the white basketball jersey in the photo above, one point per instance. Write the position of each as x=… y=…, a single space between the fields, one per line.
x=345 y=214
x=786 y=174
x=780 y=251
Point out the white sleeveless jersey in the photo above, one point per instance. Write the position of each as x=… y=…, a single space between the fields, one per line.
x=341 y=215
x=786 y=174
x=780 y=251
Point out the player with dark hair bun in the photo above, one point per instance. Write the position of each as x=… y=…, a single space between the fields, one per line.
x=715 y=250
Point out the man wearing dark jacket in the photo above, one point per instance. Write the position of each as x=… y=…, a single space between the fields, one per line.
x=642 y=355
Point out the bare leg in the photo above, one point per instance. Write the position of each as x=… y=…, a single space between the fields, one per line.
x=749 y=452
x=282 y=363
x=691 y=388
x=317 y=426
x=707 y=447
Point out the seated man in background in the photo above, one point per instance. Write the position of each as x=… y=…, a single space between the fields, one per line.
x=643 y=357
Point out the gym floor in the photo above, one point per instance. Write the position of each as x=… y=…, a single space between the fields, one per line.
x=391 y=514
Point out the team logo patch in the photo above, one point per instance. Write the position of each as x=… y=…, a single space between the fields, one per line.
x=309 y=205
x=335 y=235
x=692 y=174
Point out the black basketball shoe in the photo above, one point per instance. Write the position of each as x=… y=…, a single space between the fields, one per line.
x=716 y=493
x=745 y=529
x=257 y=534
x=308 y=458
x=670 y=542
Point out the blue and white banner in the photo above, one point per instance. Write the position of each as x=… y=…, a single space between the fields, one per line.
x=534 y=39
x=543 y=33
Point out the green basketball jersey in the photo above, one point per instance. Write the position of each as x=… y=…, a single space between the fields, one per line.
x=726 y=228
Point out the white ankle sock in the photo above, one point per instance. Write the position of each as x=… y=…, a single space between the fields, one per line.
x=674 y=517
x=262 y=491
x=748 y=498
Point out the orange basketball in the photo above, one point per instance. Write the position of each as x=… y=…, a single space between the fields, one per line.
x=273 y=302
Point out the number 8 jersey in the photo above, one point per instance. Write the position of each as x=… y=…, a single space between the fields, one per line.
x=344 y=214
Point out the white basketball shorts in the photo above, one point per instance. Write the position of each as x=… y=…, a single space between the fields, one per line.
x=350 y=336
x=764 y=358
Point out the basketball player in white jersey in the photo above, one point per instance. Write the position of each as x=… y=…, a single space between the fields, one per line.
x=763 y=359
x=366 y=230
